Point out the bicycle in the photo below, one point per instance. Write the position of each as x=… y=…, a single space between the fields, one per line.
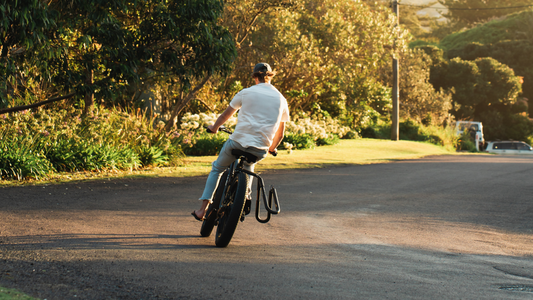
x=230 y=204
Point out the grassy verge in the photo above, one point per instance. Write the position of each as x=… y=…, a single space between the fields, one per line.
x=11 y=294
x=360 y=151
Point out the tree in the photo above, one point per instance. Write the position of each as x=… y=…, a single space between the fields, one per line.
x=25 y=27
x=515 y=54
x=510 y=41
x=469 y=12
x=419 y=100
x=477 y=85
x=327 y=53
x=110 y=48
x=484 y=90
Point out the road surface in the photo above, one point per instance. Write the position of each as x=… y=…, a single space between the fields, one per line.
x=442 y=227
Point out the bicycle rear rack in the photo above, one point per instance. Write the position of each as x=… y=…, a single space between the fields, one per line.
x=272 y=197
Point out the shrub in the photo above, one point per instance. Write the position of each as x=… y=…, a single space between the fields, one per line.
x=206 y=144
x=108 y=139
x=302 y=133
x=410 y=130
x=297 y=141
x=305 y=132
x=20 y=159
x=152 y=155
x=465 y=143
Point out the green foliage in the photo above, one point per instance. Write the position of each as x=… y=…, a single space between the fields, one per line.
x=327 y=53
x=37 y=143
x=477 y=85
x=465 y=143
x=152 y=155
x=298 y=141
x=505 y=125
x=21 y=159
x=485 y=89
x=465 y=12
x=419 y=99
x=412 y=131
x=112 y=49
x=516 y=54
x=330 y=140
x=514 y=27
x=25 y=28
x=203 y=143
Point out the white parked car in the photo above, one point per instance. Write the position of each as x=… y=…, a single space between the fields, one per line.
x=508 y=147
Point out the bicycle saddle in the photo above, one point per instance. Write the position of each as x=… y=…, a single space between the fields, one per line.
x=249 y=157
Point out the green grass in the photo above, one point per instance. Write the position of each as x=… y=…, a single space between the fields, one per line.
x=11 y=294
x=359 y=151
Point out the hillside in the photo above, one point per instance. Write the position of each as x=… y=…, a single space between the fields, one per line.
x=518 y=26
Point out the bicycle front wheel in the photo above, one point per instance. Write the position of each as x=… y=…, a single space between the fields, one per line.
x=211 y=213
x=231 y=210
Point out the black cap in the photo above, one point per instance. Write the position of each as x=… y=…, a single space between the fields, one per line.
x=262 y=68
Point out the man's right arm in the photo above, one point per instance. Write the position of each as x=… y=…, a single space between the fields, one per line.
x=278 y=137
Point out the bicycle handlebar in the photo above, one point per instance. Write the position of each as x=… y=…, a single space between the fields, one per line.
x=221 y=128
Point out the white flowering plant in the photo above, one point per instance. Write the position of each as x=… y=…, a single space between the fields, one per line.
x=308 y=132
x=194 y=138
x=301 y=133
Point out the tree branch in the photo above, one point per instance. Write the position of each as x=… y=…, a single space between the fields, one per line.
x=179 y=106
x=24 y=107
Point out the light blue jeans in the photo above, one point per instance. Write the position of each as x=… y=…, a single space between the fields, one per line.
x=225 y=158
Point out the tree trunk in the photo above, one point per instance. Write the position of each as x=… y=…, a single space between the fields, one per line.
x=183 y=102
x=89 y=95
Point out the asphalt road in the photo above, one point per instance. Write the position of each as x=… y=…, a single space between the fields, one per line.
x=443 y=227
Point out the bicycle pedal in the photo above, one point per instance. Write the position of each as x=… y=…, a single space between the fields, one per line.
x=247 y=207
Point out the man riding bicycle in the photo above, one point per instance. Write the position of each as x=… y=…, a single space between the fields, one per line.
x=263 y=112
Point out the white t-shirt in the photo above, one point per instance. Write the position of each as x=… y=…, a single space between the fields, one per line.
x=262 y=108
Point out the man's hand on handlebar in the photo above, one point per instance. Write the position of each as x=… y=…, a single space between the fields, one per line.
x=274 y=153
x=212 y=129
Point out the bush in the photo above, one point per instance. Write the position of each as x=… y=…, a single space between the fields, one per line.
x=351 y=135
x=330 y=140
x=19 y=159
x=204 y=143
x=305 y=132
x=152 y=155
x=466 y=143
x=297 y=141
x=108 y=139
x=302 y=133
x=410 y=130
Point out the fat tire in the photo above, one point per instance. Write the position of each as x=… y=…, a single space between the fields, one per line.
x=211 y=213
x=229 y=221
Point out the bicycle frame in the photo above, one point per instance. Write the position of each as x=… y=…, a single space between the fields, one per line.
x=233 y=170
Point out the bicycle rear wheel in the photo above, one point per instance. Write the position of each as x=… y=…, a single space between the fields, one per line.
x=211 y=213
x=231 y=210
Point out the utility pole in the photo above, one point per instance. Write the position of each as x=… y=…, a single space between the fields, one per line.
x=395 y=118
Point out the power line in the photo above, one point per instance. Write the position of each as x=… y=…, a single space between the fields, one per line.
x=457 y=8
